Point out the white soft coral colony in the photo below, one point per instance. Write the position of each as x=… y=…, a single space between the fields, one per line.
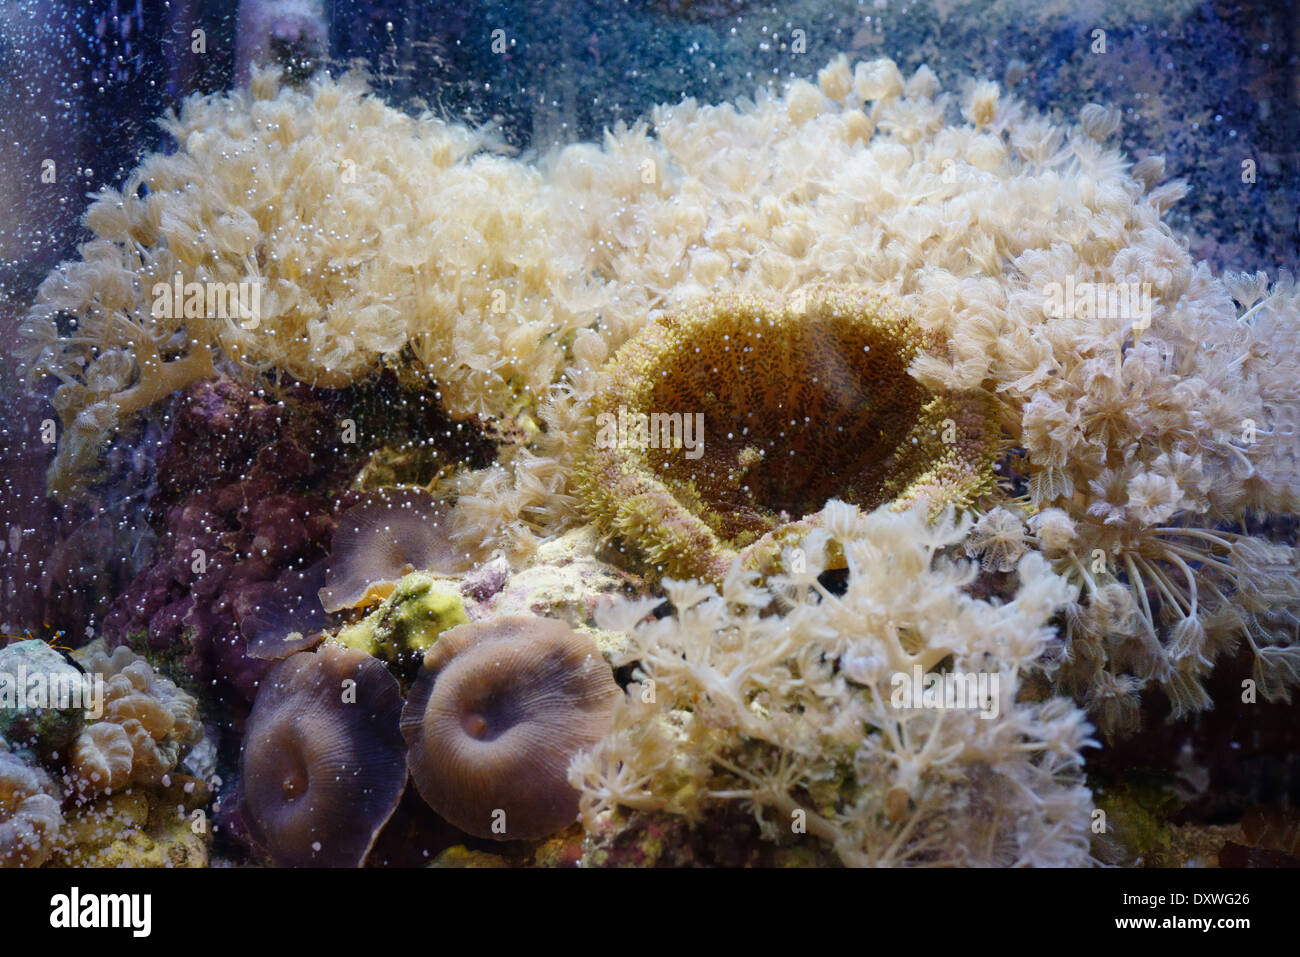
x=1141 y=449
x=798 y=715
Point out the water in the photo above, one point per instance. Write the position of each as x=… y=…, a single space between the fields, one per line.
x=392 y=345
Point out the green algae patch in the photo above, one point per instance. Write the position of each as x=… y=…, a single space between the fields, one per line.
x=407 y=623
x=1138 y=818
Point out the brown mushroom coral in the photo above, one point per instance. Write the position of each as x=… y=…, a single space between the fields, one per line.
x=498 y=712
x=389 y=534
x=323 y=763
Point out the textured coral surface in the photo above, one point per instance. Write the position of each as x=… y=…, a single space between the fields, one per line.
x=797 y=715
x=856 y=279
x=796 y=403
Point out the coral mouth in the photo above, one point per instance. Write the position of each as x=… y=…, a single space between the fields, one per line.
x=723 y=424
x=819 y=412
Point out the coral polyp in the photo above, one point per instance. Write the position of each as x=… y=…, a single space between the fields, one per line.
x=499 y=711
x=323 y=765
x=723 y=428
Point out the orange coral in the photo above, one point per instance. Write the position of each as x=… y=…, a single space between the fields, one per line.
x=802 y=401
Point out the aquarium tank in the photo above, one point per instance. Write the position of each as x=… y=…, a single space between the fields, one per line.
x=628 y=433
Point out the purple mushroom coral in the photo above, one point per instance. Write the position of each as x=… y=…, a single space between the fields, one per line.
x=323 y=763
x=284 y=616
x=388 y=534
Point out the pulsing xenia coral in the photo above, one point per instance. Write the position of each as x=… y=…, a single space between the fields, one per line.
x=1146 y=450
x=793 y=713
x=1146 y=438
x=1147 y=432
x=967 y=206
x=801 y=401
x=365 y=233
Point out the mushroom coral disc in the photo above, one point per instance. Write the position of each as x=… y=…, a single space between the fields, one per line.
x=802 y=401
x=496 y=716
x=390 y=533
x=284 y=616
x=323 y=763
